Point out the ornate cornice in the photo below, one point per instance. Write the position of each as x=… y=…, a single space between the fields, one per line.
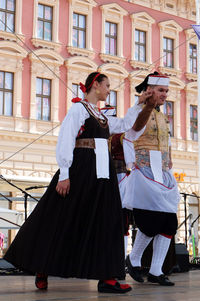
x=112 y=58
x=27 y=137
x=81 y=51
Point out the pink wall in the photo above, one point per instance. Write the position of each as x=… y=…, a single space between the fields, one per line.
x=26 y=88
x=63 y=27
x=27 y=29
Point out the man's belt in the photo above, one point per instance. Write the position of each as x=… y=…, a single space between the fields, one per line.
x=85 y=143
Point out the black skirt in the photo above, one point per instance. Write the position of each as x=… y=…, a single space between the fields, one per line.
x=80 y=235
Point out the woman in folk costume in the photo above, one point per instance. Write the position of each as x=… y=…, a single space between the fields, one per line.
x=151 y=188
x=76 y=228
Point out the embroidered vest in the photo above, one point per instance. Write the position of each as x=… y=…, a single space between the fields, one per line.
x=155 y=137
x=117 y=154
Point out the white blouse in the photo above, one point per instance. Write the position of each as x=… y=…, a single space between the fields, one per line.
x=71 y=125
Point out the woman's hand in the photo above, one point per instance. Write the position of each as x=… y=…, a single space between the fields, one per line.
x=63 y=187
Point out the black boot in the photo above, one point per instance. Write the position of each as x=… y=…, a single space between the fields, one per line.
x=134 y=272
x=161 y=279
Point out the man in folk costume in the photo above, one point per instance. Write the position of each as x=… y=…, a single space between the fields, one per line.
x=151 y=189
x=117 y=148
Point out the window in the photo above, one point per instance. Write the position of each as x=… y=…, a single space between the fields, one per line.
x=193 y=123
x=193 y=58
x=6 y=93
x=112 y=100
x=191 y=54
x=45 y=19
x=45 y=90
x=77 y=91
x=141 y=40
x=169 y=112
x=168 y=55
x=79 y=30
x=43 y=98
x=111 y=38
x=169 y=48
x=140 y=45
x=7 y=15
x=112 y=33
x=46 y=24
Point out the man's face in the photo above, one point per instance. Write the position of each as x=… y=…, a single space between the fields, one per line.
x=160 y=93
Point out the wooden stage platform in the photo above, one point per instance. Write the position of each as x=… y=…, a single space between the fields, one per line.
x=21 y=288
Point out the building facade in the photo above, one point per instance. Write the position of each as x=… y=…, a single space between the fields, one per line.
x=48 y=46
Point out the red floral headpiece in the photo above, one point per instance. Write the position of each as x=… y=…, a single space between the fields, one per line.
x=83 y=87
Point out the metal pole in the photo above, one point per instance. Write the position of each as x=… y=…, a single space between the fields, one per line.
x=25 y=205
x=198 y=83
x=185 y=209
x=198 y=87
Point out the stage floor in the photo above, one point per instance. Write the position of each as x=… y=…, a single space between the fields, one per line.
x=21 y=288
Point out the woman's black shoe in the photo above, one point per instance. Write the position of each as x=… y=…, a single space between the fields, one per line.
x=41 y=281
x=134 y=272
x=104 y=287
x=161 y=279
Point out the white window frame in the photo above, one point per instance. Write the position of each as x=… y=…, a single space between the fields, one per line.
x=191 y=99
x=143 y=22
x=115 y=14
x=83 y=8
x=197 y=122
x=170 y=29
x=174 y=114
x=54 y=44
x=14 y=55
x=116 y=75
x=191 y=38
x=53 y=60
x=174 y=95
x=18 y=25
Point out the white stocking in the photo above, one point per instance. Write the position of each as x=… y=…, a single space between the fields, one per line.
x=160 y=247
x=140 y=244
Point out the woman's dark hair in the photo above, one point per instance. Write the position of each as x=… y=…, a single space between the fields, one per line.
x=90 y=78
x=143 y=86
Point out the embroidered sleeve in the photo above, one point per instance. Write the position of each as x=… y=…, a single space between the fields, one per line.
x=119 y=125
x=129 y=151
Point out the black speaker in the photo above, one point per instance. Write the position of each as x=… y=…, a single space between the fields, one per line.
x=182 y=257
